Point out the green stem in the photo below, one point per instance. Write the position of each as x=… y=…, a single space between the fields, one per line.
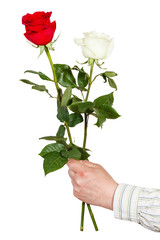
x=68 y=131
x=82 y=216
x=92 y=217
x=50 y=95
x=82 y=94
x=59 y=90
x=86 y=116
x=90 y=82
x=96 y=77
x=85 y=129
x=84 y=144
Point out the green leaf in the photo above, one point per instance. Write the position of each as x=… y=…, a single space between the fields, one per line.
x=53 y=147
x=41 y=50
x=81 y=107
x=35 y=86
x=66 y=96
x=105 y=99
x=73 y=153
x=27 y=82
x=61 y=131
x=82 y=63
x=54 y=138
x=53 y=161
x=84 y=154
x=104 y=77
x=100 y=118
x=109 y=74
x=74 y=119
x=40 y=88
x=75 y=99
x=76 y=68
x=50 y=45
x=99 y=64
x=41 y=75
x=55 y=40
x=85 y=107
x=63 y=114
x=103 y=109
x=83 y=79
x=107 y=112
x=64 y=75
x=112 y=83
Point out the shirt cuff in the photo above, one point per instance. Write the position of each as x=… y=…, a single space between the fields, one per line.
x=125 y=202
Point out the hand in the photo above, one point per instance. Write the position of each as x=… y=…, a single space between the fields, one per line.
x=92 y=183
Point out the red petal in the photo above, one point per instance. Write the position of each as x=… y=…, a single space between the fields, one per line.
x=41 y=38
x=53 y=25
x=36 y=18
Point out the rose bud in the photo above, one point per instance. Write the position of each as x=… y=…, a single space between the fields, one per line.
x=39 y=29
x=95 y=45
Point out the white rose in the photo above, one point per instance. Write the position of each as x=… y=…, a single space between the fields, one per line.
x=95 y=45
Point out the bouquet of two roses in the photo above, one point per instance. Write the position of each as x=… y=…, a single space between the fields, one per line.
x=71 y=109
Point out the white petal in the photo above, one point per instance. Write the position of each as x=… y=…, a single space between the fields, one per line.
x=79 y=41
x=87 y=53
x=110 y=48
x=96 y=45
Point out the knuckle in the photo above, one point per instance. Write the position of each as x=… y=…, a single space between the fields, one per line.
x=84 y=173
x=69 y=172
x=76 y=191
x=72 y=183
x=98 y=165
x=85 y=161
x=76 y=195
x=81 y=173
x=78 y=182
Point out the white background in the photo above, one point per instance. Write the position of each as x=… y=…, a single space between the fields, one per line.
x=33 y=206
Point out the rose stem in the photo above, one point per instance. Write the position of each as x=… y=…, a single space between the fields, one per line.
x=90 y=81
x=82 y=216
x=92 y=217
x=68 y=131
x=86 y=116
x=83 y=204
x=59 y=90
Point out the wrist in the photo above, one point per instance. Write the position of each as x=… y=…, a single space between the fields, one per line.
x=109 y=195
x=112 y=195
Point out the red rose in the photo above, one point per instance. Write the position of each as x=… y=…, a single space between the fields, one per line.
x=39 y=29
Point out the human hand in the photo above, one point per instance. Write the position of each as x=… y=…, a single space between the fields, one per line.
x=92 y=183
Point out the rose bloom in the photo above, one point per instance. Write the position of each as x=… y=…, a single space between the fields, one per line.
x=39 y=29
x=95 y=45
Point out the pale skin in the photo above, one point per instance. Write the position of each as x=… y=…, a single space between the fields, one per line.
x=92 y=184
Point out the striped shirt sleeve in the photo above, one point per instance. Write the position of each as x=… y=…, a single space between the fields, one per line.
x=136 y=204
